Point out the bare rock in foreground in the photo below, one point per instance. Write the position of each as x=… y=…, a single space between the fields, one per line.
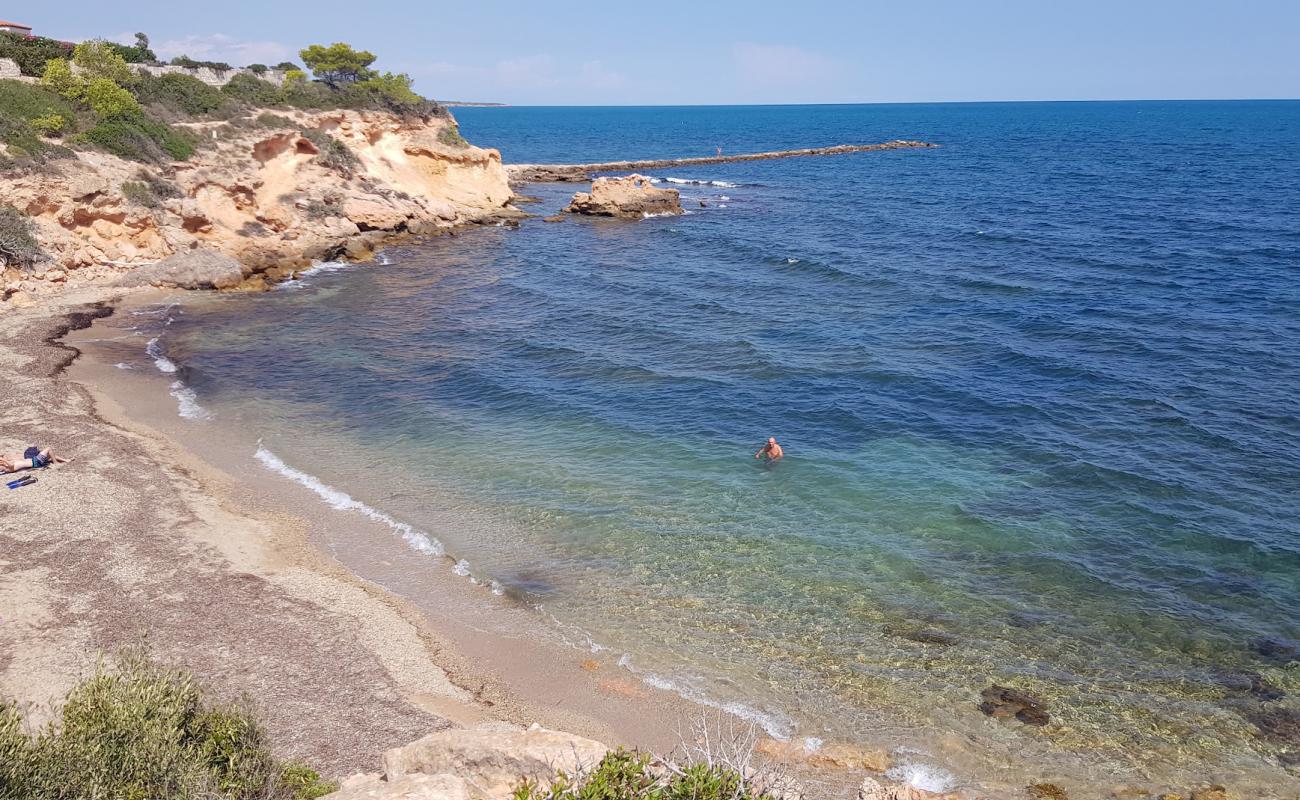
x=190 y=269
x=490 y=762
x=632 y=197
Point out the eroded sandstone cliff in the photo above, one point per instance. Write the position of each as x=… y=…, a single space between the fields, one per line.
x=274 y=194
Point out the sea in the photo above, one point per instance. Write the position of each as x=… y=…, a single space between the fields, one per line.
x=1038 y=389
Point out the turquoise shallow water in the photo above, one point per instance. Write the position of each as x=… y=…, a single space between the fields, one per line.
x=1037 y=388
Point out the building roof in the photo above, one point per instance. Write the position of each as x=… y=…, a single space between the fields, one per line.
x=4 y=24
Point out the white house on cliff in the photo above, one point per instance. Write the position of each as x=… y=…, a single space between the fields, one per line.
x=15 y=27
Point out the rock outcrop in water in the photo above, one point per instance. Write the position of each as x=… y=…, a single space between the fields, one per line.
x=566 y=173
x=309 y=186
x=632 y=197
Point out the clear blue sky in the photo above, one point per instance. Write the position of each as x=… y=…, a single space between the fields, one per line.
x=666 y=51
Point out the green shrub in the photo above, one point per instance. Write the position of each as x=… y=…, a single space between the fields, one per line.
x=253 y=91
x=110 y=101
x=623 y=775
x=329 y=206
x=268 y=120
x=140 y=139
x=98 y=59
x=140 y=730
x=288 y=66
x=49 y=124
x=27 y=114
x=31 y=53
x=149 y=190
x=450 y=136
x=257 y=69
x=179 y=93
x=26 y=101
x=387 y=91
x=59 y=77
x=18 y=248
x=333 y=154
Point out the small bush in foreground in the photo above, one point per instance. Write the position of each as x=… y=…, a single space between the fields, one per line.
x=624 y=775
x=141 y=730
x=149 y=190
x=18 y=248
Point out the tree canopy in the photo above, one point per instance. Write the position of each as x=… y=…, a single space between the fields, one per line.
x=338 y=64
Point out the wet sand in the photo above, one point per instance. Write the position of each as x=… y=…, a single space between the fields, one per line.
x=171 y=532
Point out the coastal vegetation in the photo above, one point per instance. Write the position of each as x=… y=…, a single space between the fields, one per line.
x=138 y=729
x=624 y=775
x=18 y=245
x=93 y=95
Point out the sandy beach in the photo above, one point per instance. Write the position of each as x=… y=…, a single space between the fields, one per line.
x=238 y=575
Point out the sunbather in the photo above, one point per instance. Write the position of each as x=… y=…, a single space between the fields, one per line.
x=31 y=458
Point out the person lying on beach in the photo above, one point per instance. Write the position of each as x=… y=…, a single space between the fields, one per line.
x=771 y=450
x=31 y=458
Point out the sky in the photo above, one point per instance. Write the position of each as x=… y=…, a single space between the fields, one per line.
x=719 y=51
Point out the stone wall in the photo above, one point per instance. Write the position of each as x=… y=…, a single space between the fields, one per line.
x=9 y=68
x=210 y=76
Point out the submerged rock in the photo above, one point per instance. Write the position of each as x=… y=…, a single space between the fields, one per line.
x=925 y=636
x=1001 y=702
x=1276 y=651
x=632 y=197
x=1047 y=791
x=1281 y=725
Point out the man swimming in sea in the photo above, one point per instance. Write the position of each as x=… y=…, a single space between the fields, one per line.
x=771 y=450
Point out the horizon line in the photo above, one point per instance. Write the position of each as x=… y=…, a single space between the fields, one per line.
x=499 y=104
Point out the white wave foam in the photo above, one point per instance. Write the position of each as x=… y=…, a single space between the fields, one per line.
x=722 y=205
x=417 y=539
x=792 y=260
x=777 y=726
x=649 y=215
x=124 y=365
x=923 y=776
x=724 y=197
x=812 y=744
x=316 y=268
x=187 y=402
x=694 y=182
x=164 y=364
x=461 y=568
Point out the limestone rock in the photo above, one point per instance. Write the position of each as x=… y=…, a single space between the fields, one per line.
x=408 y=787
x=632 y=197
x=494 y=762
x=192 y=269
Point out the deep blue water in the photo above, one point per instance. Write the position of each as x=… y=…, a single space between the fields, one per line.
x=1037 y=387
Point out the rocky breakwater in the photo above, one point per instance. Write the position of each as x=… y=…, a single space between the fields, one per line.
x=273 y=192
x=631 y=197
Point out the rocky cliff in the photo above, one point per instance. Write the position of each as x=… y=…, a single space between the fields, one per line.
x=272 y=191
